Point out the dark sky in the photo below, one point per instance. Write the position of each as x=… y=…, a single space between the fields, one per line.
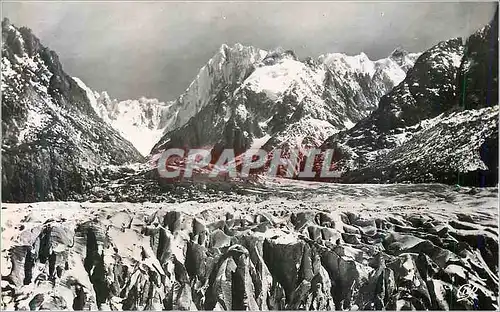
x=156 y=49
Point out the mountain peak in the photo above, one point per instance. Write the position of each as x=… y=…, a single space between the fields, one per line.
x=398 y=52
x=362 y=55
x=278 y=54
x=226 y=49
x=5 y=22
x=403 y=58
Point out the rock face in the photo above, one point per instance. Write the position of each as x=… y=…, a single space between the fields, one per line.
x=52 y=140
x=478 y=76
x=249 y=98
x=278 y=253
x=439 y=125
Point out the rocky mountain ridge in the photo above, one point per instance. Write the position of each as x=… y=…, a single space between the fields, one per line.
x=272 y=99
x=249 y=98
x=53 y=143
x=439 y=125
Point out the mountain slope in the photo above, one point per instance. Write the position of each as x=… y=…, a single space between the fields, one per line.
x=445 y=149
x=275 y=100
x=53 y=143
x=420 y=131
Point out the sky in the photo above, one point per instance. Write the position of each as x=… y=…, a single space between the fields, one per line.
x=155 y=49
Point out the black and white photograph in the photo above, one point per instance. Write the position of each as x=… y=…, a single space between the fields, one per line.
x=249 y=155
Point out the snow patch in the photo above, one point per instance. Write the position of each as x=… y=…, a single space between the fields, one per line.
x=275 y=79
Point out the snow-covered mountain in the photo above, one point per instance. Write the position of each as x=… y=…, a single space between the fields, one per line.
x=267 y=244
x=439 y=125
x=53 y=143
x=139 y=121
x=246 y=97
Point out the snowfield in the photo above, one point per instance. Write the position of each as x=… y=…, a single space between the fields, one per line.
x=284 y=245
